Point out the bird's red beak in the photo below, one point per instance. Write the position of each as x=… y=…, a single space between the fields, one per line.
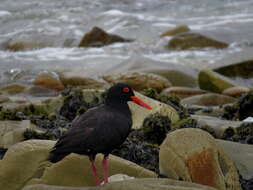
x=140 y=102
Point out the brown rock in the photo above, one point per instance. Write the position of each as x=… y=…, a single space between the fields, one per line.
x=182 y=92
x=98 y=37
x=49 y=80
x=197 y=158
x=209 y=99
x=194 y=40
x=177 y=30
x=25 y=45
x=13 y=88
x=236 y=91
x=140 y=81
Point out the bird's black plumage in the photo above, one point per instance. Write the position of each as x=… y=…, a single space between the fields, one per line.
x=100 y=129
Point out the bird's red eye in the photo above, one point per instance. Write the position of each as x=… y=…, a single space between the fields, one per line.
x=126 y=89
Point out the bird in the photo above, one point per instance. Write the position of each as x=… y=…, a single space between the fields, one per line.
x=100 y=129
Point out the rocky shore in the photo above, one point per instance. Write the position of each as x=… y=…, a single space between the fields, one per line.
x=198 y=136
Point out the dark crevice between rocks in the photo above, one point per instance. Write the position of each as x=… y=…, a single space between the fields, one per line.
x=246 y=184
x=2 y=153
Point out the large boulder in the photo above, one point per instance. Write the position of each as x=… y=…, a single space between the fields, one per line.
x=197 y=158
x=98 y=37
x=134 y=184
x=209 y=99
x=139 y=81
x=242 y=156
x=214 y=82
x=26 y=163
x=194 y=40
x=176 y=30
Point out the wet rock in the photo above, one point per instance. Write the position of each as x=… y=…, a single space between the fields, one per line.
x=246 y=105
x=217 y=127
x=177 y=30
x=12 y=89
x=49 y=80
x=182 y=92
x=194 y=41
x=236 y=91
x=242 y=156
x=98 y=37
x=12 y=132
x=140 y=184
x=197 y=158
x=209 y=99
x=22 y=45
x=140 y=81
x=242 y=69
x=39 y=91
x=214 y=82
x=75 y=79
x=4 y=99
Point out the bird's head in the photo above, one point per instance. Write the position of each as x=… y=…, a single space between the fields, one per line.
x=122 y=93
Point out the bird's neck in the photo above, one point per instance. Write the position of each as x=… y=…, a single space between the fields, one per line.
x=120 y=107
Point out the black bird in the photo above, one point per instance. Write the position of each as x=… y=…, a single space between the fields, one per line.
x=100 y=129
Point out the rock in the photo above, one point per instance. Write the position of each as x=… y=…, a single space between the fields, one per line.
x=220 y=128
x=40 y=91
x=242 y=156
x=22 y=45
x=177 y=30
x=214 y=82
x=197 y=158
x=236 y=91
x=25 y=163
x=21 y=162
x=49 y=80
x=209 y=99
x=182 y=92
x=140 y=184
x=4 y=99
x=77 y=79
x=119 y=177
x=12 y=132
x=140 y=81
x=98 y=37
x=242 y=69
x=12 y=89
x=194 y=40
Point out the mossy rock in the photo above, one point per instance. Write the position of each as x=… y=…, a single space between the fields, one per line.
x=13 y=89
x=187 y=41
x=98 y=37
x=177 y=30
x=214 y=82
x=243 y=69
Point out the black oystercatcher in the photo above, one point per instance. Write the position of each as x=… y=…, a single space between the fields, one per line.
x=100 y=129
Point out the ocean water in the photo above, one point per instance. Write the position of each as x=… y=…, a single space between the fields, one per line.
x=62 y=23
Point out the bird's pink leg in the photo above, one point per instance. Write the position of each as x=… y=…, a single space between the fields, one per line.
x=94 y=172
x=105 y=165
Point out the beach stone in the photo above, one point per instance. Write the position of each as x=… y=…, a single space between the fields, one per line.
x=236 y=91
x=12 y=132
x=49 y=80
x=218 y=127
x=77 y=79
x=133 y=184
x=197 y=158
x=98 y=37
x=214 y=82
x=209 y=99
x=139 y=81
x=176 y=30
x=12 y=89
x=242 y=69
x=21 y=162
x=40 y=91
x=4 y=99
x=242 y=156
x=194 y=40
x=23 y=45
x=182 y=92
